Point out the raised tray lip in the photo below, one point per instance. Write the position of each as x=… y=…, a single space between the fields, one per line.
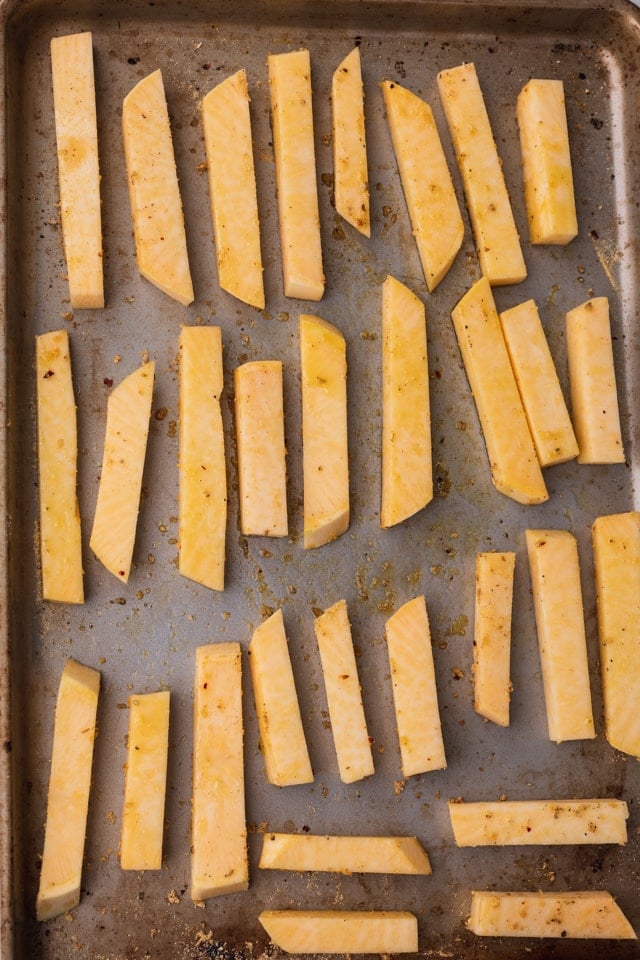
x=12 y=13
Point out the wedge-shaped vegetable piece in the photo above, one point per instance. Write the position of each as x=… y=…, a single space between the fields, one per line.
x=305 y=852
x=202 y=477
x=557 y=599
x=232 y=189
x=426 y=182
x=492 y=636
x=325 y=448
x=218 y=827
x=294 y=150
x=154 y=192
x=515 y=470
x=592 y=380
x=616 y=554
x=344 y=697
x=284 y=746
x=74 y=104
x=125 y=445
x=350 y=177
x=69 y=787
x=546 y=162
x=262 y=472
x=60 y=535
x=494 y=228
x=145 y=781
x=582 y=915
x=526 y=822
x=407 y=480
x=341 y=931
x=538 y=383
x=415 y=695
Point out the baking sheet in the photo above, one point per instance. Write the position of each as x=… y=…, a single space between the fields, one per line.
x=142 y=636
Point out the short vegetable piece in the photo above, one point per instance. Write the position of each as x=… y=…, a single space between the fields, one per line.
x=492 y=636
x=581 y=915
x=74 y=102
x=60 y=535
x=116 y=517
x=154 y=193
x=351 y=182
x=306 y=852
x=69 y=787
x=341 y=931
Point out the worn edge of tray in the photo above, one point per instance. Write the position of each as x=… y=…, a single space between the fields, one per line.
x=624 y=10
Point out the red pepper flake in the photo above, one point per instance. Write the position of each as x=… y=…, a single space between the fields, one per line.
x=108 y=382
x=48 y=374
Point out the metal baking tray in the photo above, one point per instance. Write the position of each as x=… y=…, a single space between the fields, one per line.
x=142 y=636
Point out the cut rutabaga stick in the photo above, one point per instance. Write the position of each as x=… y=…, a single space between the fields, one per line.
x=202 y=477
x=60 y=535
x=74 y=103
x=294 y=151
x=538 y=383
x=69 y=787
x=616 y=554
x=557 y=599
x=218 y=827
x=307 y=852
x=154 y=193
x=232 y=189
x=145 y=782
x=515 y=470
x=546 y=162
x=262 y=474
x=492 y=636
x=592 y=380
x=582 y=915
x=415 y=695
x=344 y=697
x=407 y=481
x=526 y=822
x=325 y=449
x=125 y=445
x=284 y=746
x=341 y=931
x=494 y=228
x=426 y=181
x=350 y=177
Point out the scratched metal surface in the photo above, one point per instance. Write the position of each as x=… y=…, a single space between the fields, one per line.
x=143 y=636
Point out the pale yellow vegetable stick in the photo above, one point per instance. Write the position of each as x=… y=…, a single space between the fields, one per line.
x=415 y=694
x=581 y=915
x=294 y=150
x=407 y=480
x=74 y=104
x=527 y=822
x=350 y=177
x=546 y=162
x=262 y=473
x=538 y=383
x=60 y=535
x=494 y=228
x=145 y=781
x=343 y=854
x=125 y=445
x=557 y=599
x=341 y=931
x=202 y=478
x=616 y=554
x=154 y=192
x=69 y=787
x=492 y=636
x=426 y=181
x=592 y=380
x=232 y=189
x=515 y=470
x=284 y=746
x=344 y=697
x=218 y=827
x=325 y=448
